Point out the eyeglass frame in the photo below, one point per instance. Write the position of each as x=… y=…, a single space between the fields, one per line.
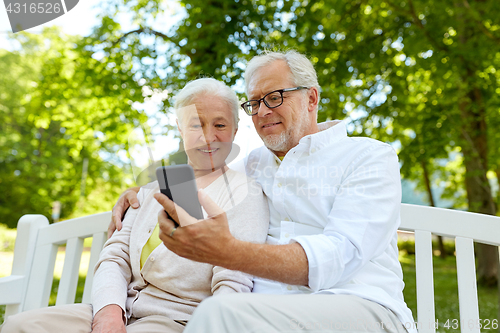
x=281 y=91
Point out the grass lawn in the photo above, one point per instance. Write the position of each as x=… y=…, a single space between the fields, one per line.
x=445 y=287
x=446 y=293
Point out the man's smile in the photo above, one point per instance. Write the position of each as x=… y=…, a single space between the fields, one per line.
x=268 y=125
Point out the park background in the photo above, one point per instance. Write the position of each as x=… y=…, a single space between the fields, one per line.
x=422 y=75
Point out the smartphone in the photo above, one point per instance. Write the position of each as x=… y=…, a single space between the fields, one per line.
x=177 y=182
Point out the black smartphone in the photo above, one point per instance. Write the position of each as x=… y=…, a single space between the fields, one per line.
x=177 y=182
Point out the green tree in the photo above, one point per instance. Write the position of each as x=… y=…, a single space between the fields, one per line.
x=59 y=106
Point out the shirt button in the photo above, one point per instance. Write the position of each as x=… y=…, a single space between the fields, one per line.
x=287 y=235
x=152 y=258
x=279 y=184
x=313 y=150
x=289 y=287
x=287 y=219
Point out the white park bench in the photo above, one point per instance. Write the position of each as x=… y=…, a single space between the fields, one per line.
x=29 y=285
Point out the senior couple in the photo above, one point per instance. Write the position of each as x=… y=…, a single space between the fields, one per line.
x=307 y=224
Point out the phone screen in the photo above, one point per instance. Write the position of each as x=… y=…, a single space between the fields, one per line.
x=178 y=183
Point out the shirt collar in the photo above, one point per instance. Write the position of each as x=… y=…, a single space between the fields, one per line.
x=329 y=132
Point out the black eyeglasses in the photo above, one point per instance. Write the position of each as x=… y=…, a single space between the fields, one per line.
x=271 y=100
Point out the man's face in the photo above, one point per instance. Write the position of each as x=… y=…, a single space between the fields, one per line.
x=282 y=127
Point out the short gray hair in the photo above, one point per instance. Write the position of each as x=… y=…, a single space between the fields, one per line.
x=209 y=87
x=302 y=70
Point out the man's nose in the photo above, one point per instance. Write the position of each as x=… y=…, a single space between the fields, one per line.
x=264 y=110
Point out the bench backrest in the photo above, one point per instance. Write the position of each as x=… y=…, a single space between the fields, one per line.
x=37 y=242
x=35 y=252
x=466 y=228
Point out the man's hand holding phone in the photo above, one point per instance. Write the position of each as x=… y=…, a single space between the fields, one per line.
x=208 y=240
x=175 y=181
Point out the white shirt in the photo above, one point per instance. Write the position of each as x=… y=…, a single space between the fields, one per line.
x=339 y=198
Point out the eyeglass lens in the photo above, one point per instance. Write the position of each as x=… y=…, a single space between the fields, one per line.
x=271 y=100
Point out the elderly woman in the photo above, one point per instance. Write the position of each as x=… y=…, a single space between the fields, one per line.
x=139 y=285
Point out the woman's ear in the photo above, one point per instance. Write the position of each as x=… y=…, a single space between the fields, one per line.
x=179 y=127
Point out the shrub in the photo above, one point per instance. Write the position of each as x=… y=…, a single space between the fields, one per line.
x=7 y=238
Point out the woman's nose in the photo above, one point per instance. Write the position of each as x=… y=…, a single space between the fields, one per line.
x=208 y=136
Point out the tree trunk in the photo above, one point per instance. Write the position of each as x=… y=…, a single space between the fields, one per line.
x=498 y=192
x=479 y=194
x=427 y=182
x=475 y=152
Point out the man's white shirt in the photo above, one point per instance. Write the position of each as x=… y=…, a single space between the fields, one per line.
x=339 y=198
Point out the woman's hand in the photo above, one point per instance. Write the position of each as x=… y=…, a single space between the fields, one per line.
x=109 y=320
x=127 y=199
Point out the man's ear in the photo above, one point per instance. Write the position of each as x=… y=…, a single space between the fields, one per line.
x=313 y=99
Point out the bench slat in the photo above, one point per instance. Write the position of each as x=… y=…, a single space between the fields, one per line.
x=41 y=277
x=467 y=288
x=27 y=233
x=425 y=282
x=9 y=289
x=83 y=227
x=69 y=277
x=98 y=241
x=450 y=223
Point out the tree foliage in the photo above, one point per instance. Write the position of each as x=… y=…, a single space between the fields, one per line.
x=419 y=73
x=60 y=106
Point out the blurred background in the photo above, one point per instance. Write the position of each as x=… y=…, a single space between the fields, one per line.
x=422 y=75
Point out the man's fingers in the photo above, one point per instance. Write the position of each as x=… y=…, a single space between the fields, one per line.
x=174 y=210
x=210 y=206
x=166 y=226
x=127 y=199
x=116 y=220
x=118 y=223
x=131 y=197
x=111 y=228
x=118 y=211
x=165 y=223
x=167 y=204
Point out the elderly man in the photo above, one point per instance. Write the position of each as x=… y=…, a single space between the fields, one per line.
x=331 y=259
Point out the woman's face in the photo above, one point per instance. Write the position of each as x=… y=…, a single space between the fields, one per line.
x=208 y=130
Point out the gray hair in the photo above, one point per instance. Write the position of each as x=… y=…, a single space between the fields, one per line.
x=210 y=87
x=302 y=70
